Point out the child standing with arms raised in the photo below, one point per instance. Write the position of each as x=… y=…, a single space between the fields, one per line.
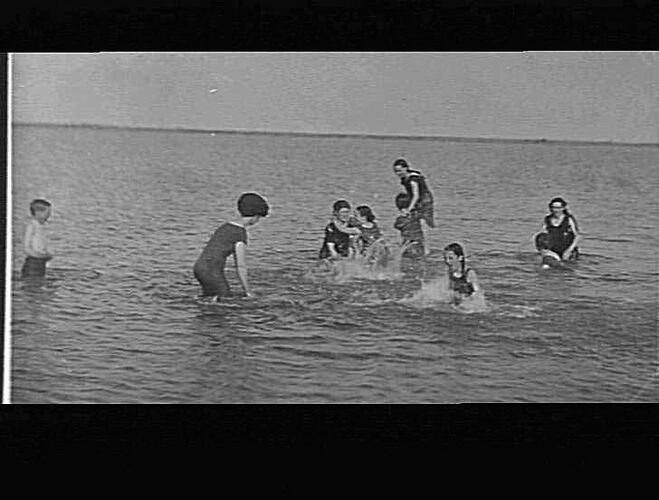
x=36 y=242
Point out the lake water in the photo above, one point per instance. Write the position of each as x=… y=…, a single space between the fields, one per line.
x=118 y=319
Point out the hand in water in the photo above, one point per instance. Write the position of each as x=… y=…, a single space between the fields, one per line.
x=250 y=295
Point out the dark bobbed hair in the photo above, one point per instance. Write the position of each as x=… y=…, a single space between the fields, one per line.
x=251 y=204
x=402 y=200
x=401 y=162
x=541 y=241
x=339 y=204
x=39 y=205
x=365 y=211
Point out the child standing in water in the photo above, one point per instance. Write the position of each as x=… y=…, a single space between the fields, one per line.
x=409 y=225
x=338 y=233
x=230 y=238
x=562 y=229
x=462 y=280
x=36 y=242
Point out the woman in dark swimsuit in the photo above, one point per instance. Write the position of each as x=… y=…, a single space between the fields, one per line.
x=229 y=239
x=414 y=182
x=462 y=280
x=562 y=229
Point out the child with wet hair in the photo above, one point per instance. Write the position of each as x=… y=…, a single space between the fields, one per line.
x=229 y=239
x=462 y=280
x=409 y=225
x=36 y=242
x=370 y=232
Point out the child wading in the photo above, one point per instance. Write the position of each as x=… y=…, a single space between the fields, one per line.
x=230 y=238
x=462 y=280
x=562 y=230
x=36 y=242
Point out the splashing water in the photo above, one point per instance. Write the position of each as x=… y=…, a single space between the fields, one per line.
x=380 y=261
x=435 y=292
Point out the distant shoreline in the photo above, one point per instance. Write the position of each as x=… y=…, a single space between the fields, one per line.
x=339 y=135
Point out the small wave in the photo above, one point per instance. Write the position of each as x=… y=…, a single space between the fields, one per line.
x=516 y=311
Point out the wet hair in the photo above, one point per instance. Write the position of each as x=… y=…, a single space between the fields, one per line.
x=365 y=211
x=402 y=200
x=457 y=249
x=541 y=241
x=401 y=162
x=339 y=204
x=560 y=200
x=39 y=205
x=251 y=204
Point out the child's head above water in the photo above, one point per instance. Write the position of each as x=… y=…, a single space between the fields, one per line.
x=252 y=204
x=402 y=201
x=541 y=241
x=558 y=203
x=365 y=212
x=40 y=208
x=341 y=210
x=454 y=253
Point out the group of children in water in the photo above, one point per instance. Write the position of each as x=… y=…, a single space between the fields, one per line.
x=347 y=236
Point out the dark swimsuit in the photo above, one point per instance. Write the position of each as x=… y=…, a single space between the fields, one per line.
x=461 y=285
x=209 y=268
x=33 y=266
x=340 y=239
x=561 y=236
x=411 y=232
x=370 y=234
x=424 y=205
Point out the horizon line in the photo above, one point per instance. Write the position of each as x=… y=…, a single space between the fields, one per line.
x=540 y=140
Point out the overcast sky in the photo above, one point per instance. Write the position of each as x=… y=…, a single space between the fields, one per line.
x=553 y=95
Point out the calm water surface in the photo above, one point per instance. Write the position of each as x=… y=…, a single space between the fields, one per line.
x=118 y=319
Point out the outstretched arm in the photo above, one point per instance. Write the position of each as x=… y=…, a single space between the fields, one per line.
x=241 y=266
x=344 y=228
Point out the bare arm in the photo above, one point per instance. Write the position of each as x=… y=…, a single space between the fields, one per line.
x=344 y=228
x=568 y=251
x=241 y=267
x=29 y=234
x=415 y=195
x=332 y=249
x=35 y=246
x=471 y=278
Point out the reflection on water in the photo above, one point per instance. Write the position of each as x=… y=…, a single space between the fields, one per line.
x=119 y=317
